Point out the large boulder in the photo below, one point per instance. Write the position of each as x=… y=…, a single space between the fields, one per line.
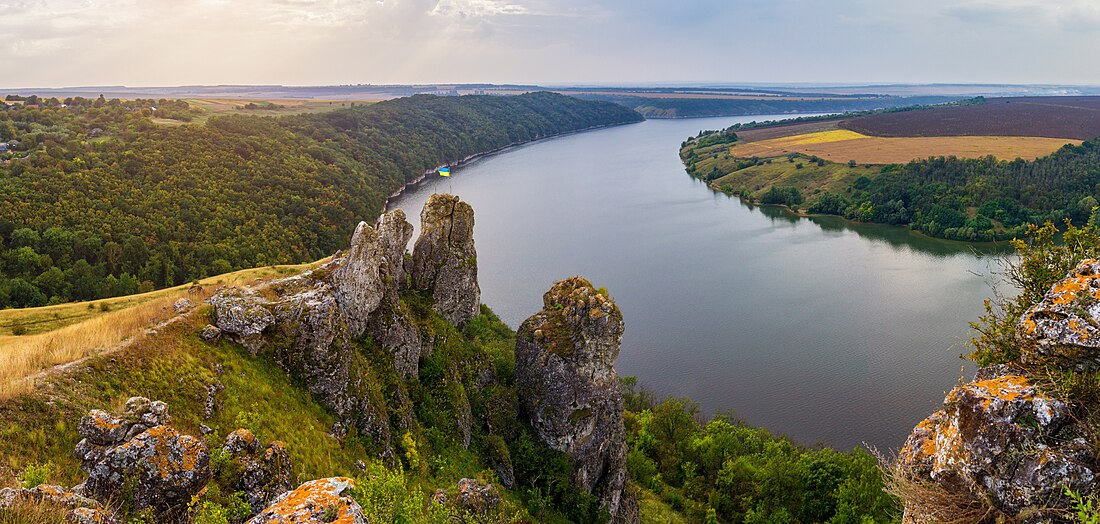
x=243 y=315
x=321 y=500
x=568 y=387
x=444 y=259
x=101 y=431
x=1005 y=443
x=996 y=439
x=156 y=468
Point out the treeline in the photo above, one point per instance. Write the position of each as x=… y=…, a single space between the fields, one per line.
x=723 y=470
x=975 y=199
x=104 y=198
x=703 y=107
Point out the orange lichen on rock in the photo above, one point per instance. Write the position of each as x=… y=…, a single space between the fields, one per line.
x=312 y=501
x=1064 y=327
x=1007 y=388
x=1081 y=279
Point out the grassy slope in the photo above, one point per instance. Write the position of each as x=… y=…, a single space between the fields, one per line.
x=175 y=366
x=48 y=318
x=811 y=180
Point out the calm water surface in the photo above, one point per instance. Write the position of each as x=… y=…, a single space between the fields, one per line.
x=823 y=330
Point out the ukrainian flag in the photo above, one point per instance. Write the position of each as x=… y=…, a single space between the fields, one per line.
x=444 y=171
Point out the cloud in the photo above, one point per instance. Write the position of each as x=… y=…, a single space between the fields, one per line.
x=477 y=8
x=143 y=42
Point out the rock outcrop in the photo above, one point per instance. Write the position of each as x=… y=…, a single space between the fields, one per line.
x=262 y=474
x=138 y=462
x=569 y=390
x=140 y=458
x=1064 y=327
x=321 y=500
x=1005 y=441
x=314 y=317
x=444 y=259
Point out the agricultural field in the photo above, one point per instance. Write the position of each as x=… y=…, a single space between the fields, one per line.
x=1075 y=117
x=841 y=145
x=1006 y=128
x=978 y=171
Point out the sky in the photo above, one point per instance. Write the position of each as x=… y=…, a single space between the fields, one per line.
x=56 y=43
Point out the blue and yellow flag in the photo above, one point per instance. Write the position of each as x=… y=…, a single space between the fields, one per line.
x=444 y=171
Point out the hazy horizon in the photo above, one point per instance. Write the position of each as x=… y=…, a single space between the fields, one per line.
x=57 y=43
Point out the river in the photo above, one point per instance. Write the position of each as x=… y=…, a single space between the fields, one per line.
x=831 y=332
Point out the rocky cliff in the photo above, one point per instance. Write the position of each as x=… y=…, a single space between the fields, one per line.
x=309 y=322
x=570 y=392
x=366 y=354
x=1008 y=444
x=444 y=260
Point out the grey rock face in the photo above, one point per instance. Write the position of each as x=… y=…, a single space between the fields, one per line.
x=394 y=233
x=264 y=473
x=356 y=280
x=568 y=387
x=444 y=259
x=391 y=327
x=1005 y=441
x=140 y=457
x=242 y=315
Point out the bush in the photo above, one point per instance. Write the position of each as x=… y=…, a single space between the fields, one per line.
x=35 y=475
x=787 y=196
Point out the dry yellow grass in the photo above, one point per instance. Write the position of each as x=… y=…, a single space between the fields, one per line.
x=70 y=332
x=842 y=145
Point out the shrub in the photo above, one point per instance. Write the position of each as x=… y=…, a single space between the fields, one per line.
x=35 y=474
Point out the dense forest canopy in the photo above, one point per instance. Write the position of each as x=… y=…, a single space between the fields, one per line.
x=99 y=200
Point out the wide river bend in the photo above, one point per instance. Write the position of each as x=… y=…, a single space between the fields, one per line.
x=828 y=331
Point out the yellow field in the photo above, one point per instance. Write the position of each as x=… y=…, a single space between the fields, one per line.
x=68 y=332
x=841 y=145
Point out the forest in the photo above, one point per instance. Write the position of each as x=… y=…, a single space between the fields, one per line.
x=100 y=200
x=975 y=199
x=723 y=470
